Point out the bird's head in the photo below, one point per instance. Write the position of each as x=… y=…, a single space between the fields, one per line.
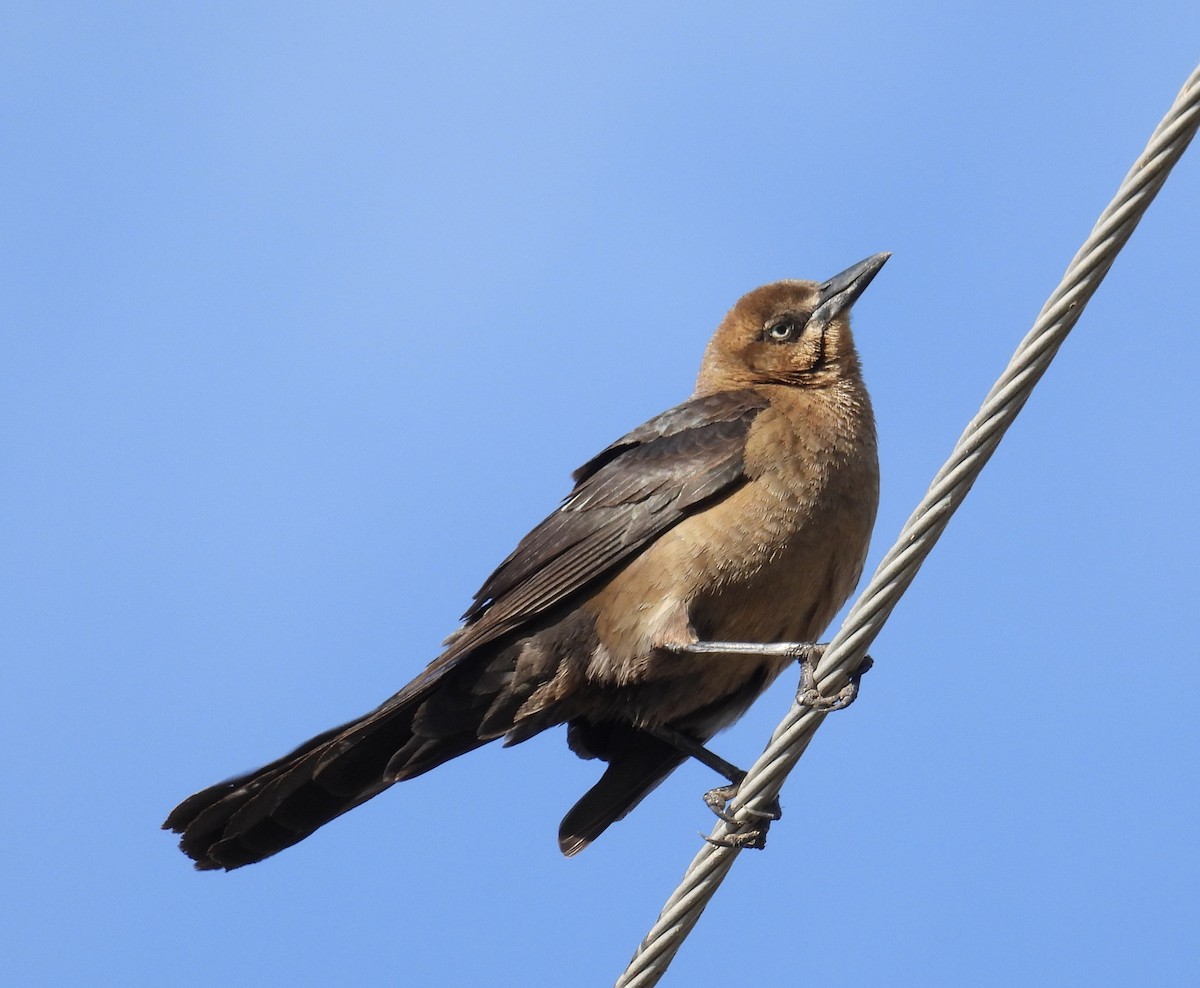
x=788 y=332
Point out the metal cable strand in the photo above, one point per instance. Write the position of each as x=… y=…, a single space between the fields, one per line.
x=922 y=530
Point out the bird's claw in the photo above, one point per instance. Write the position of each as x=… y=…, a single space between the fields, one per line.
x=809 y=696
x=718 y=800
x=755 y=840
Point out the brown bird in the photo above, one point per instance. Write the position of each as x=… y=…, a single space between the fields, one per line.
x=741 y=515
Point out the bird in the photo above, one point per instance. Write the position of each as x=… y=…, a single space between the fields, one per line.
x=742 y=515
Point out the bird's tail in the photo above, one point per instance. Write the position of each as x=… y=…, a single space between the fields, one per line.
x=637 y=763
x=253 y=816
x=444 y=713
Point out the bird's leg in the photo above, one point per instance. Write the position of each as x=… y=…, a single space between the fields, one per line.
x=694 y=749
x=753 y=650
x=718 y=799
x=808 y=654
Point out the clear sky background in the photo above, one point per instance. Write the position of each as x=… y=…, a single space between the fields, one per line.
x=310 y=309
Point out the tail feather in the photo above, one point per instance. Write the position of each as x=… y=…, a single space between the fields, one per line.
x=632 y=774
x=256 y=815
x=253 y=816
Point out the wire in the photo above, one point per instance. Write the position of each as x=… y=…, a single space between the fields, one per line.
x=922 y=530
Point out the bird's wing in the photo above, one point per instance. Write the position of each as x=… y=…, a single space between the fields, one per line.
x=624 y=498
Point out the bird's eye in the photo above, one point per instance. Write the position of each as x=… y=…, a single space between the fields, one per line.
x=783 y=331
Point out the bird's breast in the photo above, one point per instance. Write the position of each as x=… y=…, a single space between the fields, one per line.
x=771 y=561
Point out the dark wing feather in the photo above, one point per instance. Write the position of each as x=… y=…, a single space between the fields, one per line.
x=631 y=493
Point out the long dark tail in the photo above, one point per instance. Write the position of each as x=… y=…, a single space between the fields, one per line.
x=439 y=716
x=253 y=816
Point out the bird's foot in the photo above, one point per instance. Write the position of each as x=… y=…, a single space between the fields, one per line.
x=809 y=696
x=718 y=801
x=754 y=840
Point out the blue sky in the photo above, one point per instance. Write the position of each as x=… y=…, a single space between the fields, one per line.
x=308 y=312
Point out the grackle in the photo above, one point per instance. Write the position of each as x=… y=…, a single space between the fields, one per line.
x=740 y=516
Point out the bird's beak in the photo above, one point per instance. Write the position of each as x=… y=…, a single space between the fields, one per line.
x=842 y=290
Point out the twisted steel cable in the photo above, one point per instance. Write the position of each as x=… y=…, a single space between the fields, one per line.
x=922 y=530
